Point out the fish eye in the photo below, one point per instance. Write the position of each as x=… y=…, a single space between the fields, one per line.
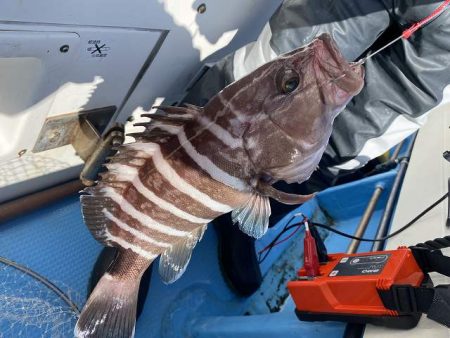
x=290 y=84
x=287 y=81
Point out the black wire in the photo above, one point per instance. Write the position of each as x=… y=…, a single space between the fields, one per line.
x=415 y=219
x=395 y=233
x=332 y=229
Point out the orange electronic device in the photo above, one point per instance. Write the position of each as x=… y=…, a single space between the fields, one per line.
x=373 y=287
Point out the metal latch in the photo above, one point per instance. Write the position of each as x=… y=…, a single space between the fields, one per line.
x=83 y=131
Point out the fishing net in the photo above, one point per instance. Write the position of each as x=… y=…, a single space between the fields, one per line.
x=30 y=308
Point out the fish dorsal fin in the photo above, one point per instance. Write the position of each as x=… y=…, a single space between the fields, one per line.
x=96 y=202
x=167 y=121
x=253 y=216
x=281 y=196
x=189 y=109
x=93 y=207
x=173 y=261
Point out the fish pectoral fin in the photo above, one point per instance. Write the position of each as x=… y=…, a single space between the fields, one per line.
x=281 y=196
x=174 y=260
x=253 y=216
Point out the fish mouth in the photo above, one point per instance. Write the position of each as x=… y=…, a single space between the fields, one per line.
x=348 y=76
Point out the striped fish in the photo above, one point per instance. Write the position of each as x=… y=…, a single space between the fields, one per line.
x=192 y=164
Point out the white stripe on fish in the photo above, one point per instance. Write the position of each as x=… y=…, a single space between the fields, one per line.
x=164 y=168
x=129 y=174
x=207 y=165
x=134 y=232
x=221 y=133
x=230 y=106
x=126 y=245
x=144 y=219
x=228 y=103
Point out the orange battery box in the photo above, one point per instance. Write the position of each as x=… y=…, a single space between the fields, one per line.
x=348 y=288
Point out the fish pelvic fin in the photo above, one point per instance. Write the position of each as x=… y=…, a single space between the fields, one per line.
x=110 y=311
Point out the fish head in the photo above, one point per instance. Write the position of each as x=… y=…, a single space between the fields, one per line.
x=295 y=99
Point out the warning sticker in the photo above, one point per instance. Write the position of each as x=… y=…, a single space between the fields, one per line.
x=360 y=265
x=97 y=48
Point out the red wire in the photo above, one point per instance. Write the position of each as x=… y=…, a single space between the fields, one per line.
x=408 y=32
x=282 y=241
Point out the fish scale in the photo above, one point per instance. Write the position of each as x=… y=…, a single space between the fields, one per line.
x=192 y=164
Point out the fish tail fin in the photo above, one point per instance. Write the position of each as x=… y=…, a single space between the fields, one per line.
x=110 y=310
